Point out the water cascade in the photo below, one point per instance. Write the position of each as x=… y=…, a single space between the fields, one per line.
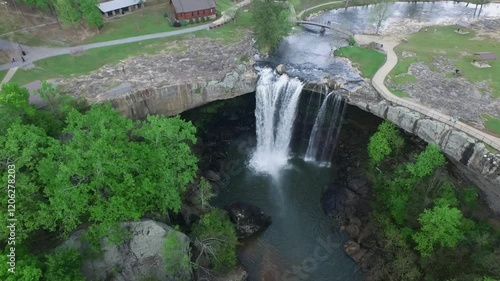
x=276 y=106
x=325 y=131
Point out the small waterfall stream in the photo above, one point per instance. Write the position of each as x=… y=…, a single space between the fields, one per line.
x=276 y=106
x=325 y=131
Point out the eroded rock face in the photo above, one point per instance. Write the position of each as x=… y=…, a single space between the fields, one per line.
x=470 y=156
x=137 y=258
x=248 y=219
x=188 y=73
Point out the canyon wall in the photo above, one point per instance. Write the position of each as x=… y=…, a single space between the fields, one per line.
x=173 y=99
x=472 y=158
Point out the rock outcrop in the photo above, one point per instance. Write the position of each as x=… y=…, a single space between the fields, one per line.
x=137 y=258
x=183 y=74
x=476 y=162
x=248 y=219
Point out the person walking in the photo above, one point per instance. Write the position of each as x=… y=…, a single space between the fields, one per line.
x=23 y=59
x=13 y=60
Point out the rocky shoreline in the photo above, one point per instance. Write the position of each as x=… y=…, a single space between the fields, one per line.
x=349 y=200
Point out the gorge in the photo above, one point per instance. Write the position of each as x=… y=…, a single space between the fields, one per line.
x=274 y=149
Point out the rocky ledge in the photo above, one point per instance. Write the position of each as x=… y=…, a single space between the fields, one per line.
x=186 y=74
x=476 y=162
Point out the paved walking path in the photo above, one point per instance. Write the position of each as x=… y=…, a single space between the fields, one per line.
x=378 y=84
x=9 y=75
x=38 y=53
x=299 y=16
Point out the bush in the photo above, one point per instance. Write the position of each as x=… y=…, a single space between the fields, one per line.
x=197 y=20
x=218 y=14
x=203 y=19
x=216 y=239
x=177 y=24
x=64 y=265
x=183 y=23
x=191 y=21
x=177 y=257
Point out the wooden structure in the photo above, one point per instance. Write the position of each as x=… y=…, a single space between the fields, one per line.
x=118 y=7
x=323 y=25
x=191 y=9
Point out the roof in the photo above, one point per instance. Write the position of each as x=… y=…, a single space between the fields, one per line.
x=117 y=4
x=486 y=55
x=186 y=6
x=463 y=23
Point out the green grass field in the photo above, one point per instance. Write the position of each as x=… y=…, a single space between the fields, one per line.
x=2 y=74
x=491 y=123
x=368 y=61
x=68 y=65
x=459 y=48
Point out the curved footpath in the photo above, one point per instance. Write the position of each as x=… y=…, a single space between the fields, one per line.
x=378 y=84
x=38 y=53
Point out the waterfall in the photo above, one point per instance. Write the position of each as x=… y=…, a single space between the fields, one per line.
x=322 y=140
x=276 y=107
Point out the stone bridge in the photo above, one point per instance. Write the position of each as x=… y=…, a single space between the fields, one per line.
x=331 y=26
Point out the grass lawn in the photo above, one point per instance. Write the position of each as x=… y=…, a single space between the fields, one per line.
x=2 y=74
x=459 y=48
x=368 y=61
x=491 y=123
x=68 y=65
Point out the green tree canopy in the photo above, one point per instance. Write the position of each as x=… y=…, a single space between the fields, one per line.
x=384 y=142
x=271 y=23
x=104 y=169
x=440 y=226
x=427 y=162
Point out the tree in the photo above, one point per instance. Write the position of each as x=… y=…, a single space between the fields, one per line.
x=384 y=142
x=232 y=12
x=205 y=193
x=216 y=239
x=427 y=162
x=16 y=98
x=91 y=14
x=380 y=13
x=271 y=23
x=440 y=226
x=68 y=13
x=26 y=267
x=64 y=265
x=104 y=170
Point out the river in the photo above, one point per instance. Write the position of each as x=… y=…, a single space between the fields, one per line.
x=302 y=243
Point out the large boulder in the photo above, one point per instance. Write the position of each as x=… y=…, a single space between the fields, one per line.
x=248 y=219
x=333 y=200
x=280 y=69
x=141 y=257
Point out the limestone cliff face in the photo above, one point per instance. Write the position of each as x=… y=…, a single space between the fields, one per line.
x=173 y=99
x=470 y=156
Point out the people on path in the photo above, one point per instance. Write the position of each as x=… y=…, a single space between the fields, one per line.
x=13 y=60
x=23 y=59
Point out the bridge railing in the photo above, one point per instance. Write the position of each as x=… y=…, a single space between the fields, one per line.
x=474 y=133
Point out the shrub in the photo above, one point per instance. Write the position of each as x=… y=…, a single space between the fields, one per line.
x=215 y=236
x=191 y=21
x=203 y=19
x=183 y=23
x=177 y=257
x=218 y=14
x=197 y=20
x=64 y=265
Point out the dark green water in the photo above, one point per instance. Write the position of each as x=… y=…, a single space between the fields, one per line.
x=302 y=243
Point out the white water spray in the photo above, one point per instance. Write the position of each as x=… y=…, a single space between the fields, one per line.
x=276 y=107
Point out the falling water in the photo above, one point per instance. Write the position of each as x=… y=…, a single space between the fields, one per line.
x=322 y=140
x=276 y=107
